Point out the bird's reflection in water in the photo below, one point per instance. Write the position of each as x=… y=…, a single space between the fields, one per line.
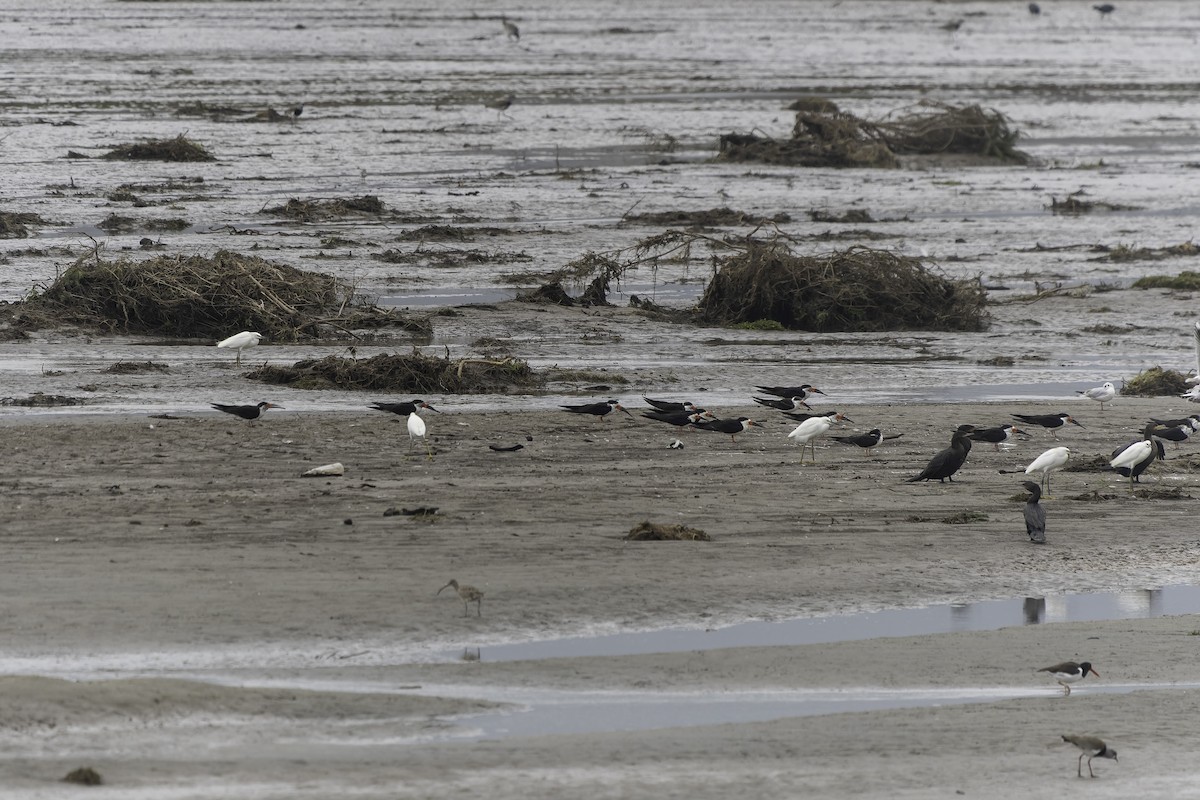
x=1034 y=609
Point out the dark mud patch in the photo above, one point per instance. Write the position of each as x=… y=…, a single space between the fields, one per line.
x=1186 y=281
x=413 y=373
x=1093 y=463
x=1074 y=205
x=1124 y=254
x=297 y=210
x=451 y=233
x=450 y=257
x=116 y=223
x=135 y=368
x=180 y=148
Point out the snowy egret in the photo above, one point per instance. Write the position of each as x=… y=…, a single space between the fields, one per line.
x=803 y=391
x=731 y=426
x=1035 y=515
x=807 y=431
x=1132 y=459
x=240 y=341
x=1069 y=672
x=1047 y=462
x=416 y=430
x=468 y=594
x=1001 y=433
x=781 y=403
x=946 y=462
x=510 y=29
x=671 y=405
x=1048 y=421
x=865 y=440
x=1092 y=747
x=250 y=413
x=1101 y=394
x=404 y=409
x=598 y=409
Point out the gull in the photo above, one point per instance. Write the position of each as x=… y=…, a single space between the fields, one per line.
x=1195 y=379
x=240 y=341
x=1101 y=394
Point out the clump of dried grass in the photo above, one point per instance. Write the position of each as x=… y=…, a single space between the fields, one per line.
x=859 y=289
x=408 y=373
x=321 y=210
x=1156 y=382
x=658 y=532
x=180 y=148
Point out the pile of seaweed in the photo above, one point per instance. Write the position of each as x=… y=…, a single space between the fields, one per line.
x=825 y=136
x=660 y=532
x=1156 y=382
x=321 y=210
x=201 y=297
x=711 y=218
x=180 y=148
x=859 y=289
x=15 y=225
x=412 y=373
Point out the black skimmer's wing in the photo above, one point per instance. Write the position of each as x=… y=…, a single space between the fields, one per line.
x=670 y=405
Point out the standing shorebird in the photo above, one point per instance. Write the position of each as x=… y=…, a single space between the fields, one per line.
x=600 y=410
x=807 y=431
x=1047 y=462
x=500 y=104
x=510 y=29
x=1001 y=433
x=1132 y=459
x=1101 y=394
x=1105 y=9
x=468 y=594
x=1092 y=747
x=731 y=426
x=250 y=413
x=946 y=462
x=781 y=403
x=1069 y=672
x=1050 y=422
x=240 y=341
x=1035 y=515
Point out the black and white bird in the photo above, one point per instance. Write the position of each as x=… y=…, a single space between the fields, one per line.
x=731 y=426
x=1050 y=422
x=672 y=405
x=404 y=409
x=678 y=418
x=872 y=438
x=946 y=462
x=781 y=403
x=250 y=413
x=1101 y=394
x=996 y=435
x=600 y=410
x=1175 y=433
x=1092 y=747
x=1132 y=459
x=803 y=391
x=1069 y=672
x=1035 y=515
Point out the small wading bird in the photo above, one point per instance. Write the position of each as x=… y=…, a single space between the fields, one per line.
x=1092 y=747
x=240 y=341
x=1132 y=459
x=807 y=431
x=600 y=410
x=1000 y=433
x=511 y=29
x=468 y=594
x=1069 y=672
x=946 y=462
x=500 y=104
x=1047 y=462
x=1050 y=422
x=250 y=413
x=404 y=409
x=731 y=426
x=1101 y=394
x=1035 y=515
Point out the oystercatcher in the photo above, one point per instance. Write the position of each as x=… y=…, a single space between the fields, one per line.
x=731 y=426
x=240 y=341
x=250 y=413
x=807 y=431
x=1035 y=515
x=946 y=462
x=1069 y=672
x=1101 y=394
x=468 y=594
x=404 y=409
x=598 y=409
x=865 y=440
x=1047 y=462
x=1132 y=459
x=1047 y=421
x=1001 y=433
x=1092 y=747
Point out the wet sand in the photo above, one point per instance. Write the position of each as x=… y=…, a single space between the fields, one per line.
x=191 y=548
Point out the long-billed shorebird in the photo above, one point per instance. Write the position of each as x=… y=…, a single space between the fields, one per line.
x=468 y=594
x=1092 y=747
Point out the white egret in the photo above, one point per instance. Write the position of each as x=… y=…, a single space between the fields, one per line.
x=1047 y=462
x=416 y=430
x=1101 y=394
x=1195 y=379
x=240 y=341
x=811 y=428
x=1135 y=457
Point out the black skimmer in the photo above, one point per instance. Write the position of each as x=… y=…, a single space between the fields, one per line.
x=781 y=403
x=250 y=413
x=1101 y=394
x=468 y=594
x=872 y=438
x=1092 y=747
x=1001 y=433
x=678 y=418
x=1132 y=459
x=946 y=462
x=1035 y=515
x=802 y=391
x=1193 y=422
x=600 y=410
x=240 y=341
x=731 y=426
x=1069 y=672
x=404 y=409
x=1048 y=421
x=807 y=431
x=1105 y=9
x=671 y=405
x=1175 y=433
x=1047 y=462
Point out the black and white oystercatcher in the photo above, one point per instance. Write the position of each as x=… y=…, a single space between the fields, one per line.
x=598 y=409
x=1092 y=747
x=250 y=413
x=404 y=409
x=1069 y=672
x=1035 y=515
x=1048 y=421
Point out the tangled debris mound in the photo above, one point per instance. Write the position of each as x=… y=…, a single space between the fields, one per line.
x=135 y=367
x=321 y=210
x=604 y=270
x=40 y=400
x=1187 y=281
x=84 y=776
x=413 y=373
x=15 y=225
x=859 y=289
x=200 y=297
x=712 y=218
x=1156 y=382
x=180 y=148
x=825 y=136
x=656 y=532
